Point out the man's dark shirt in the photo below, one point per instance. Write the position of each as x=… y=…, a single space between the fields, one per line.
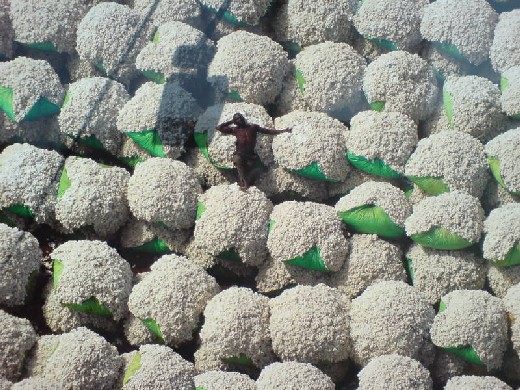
x=246 y=136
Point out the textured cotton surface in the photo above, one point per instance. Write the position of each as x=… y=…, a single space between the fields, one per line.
x=29 y=176
x=17 y=337
x=456 y=212
x=299 y=226
x=369 y=260
x=315 y=138
x=512 y=303
x=404 y=82
x=222 y=380
x=391 y=317
x=35 y=383
x=504 y=49
x=436 y=273
x=311 y=325
x=7 y=32
x=501 y=231
x=291 y=375
x=468 y=25
x=468 y=382
x=246 y=11
x=476 y=319
x=455 y=157
x=506 y=149
x=80 y=359
x=394 y=372
x=510 y=98
x=163 y=11
x=174 y=295
x=20 y=257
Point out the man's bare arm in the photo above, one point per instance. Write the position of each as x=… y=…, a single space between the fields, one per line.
x=225 y=128
x=272 y=132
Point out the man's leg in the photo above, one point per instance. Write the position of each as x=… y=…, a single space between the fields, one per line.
x=241 y=165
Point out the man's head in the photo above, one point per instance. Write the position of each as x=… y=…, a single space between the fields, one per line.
x=239 y=120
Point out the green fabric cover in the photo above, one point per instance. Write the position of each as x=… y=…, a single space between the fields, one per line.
x=66 y=99
x=135 y=364
x=99 y=66
x=291 y=47
x=409 y=267
x=149 y=140
x=272 y=224
x=64 y=183
x=448 y=105
x=156 y=76
x=309 y=260
x=301 y=81
x=154 y=328
x=466 y=353
x=313 y=171
x=45 y=46
x=91 y=306
x=41 y=109
x=227 y=16
x=6 y=101
x=504 y=83
x=131 y=161
x=89 y=141
x=200 y=210
x=57 y=269
x=155 y=38
x=377 y=106
x=431 y=185
x=234 y=96
x=371 y=219
x=374 y=167
x=240 y=359
x=494 y=166
x=384 y=43
x=230 y=255
x=441 y=238
x=155 y=246
x=201 y=139
x=512 y=258
x=21 y=210
x=449 y=49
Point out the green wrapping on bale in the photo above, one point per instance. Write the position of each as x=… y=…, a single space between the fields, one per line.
x=154 y=328
x=200 y=210
x=409 y=267
x=313 y=171
x=226 y=16
x=310 y=260
x=44 y=46
x=155 y=246
x=512 y=258
x=156 y=76
x=91 y=306
x=6 y=101
x=57 y=269
x=449 y=49
x=135 y=364
x=234 y=96
x=430 y=185
x=371 y=219
x=466 y=353
x=300 y=80
x=131 y=161
x=230 y=255
x=99 y=66
x=291 y=47
x=377 y=106
x=494 y=166
x=448 y=106
x=21 y=210
x=201 y=139
x=89 y=140
x=64 y=183
x=240 y=359
x=441 y=238
x=374 y=167
x=385 y=43
x=149 y=140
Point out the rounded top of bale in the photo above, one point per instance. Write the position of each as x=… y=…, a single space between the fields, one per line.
x=470 y=382
x=173 y=197
x=502 y=231
x=403 y=82
x=394 y=371
x=164 y=11
x=505 y=46
x=240 y=11
x=506 y=149
x=453 y=156
x=464 y=28
x=251 y=65
x=293 y=375
x=222 y=380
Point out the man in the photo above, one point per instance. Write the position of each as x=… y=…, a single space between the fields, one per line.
x=245 y=158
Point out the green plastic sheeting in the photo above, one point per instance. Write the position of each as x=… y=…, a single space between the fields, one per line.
x=57 y=269
x=200 y=210
x=234 y=96
x=64 y=183
x=155 y=38
x=450 y=49
x=431 y=185
x=89 y=140
x=230 y=255
x=371 y=219
x=374 y=167
x=155 y=246
x=156 y=76
x=240 y=359
x=131 y=161
x=201 y=139
x=512 y=257
x=504 y=83
x=409 y=267
x=135 y=364
x=310 y=260
x=41 y=109
x=44 y=46
x=21 y=210
x=377 y=106
x=6 y=101
x=300 y=80
x=313 y=171
x=154 y=328
x=99 y=66
x=272 y=224
x=466 y=353
x=441 y=238
x=91 y=306
x=494 y=166
x=227 y=16
x=448 y=106
x=385 y=43
x=149 y=140
x=291 y=47
x=66 y=99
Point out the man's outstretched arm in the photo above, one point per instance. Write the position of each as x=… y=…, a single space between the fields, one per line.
x=272 y=132
x=225 y=128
